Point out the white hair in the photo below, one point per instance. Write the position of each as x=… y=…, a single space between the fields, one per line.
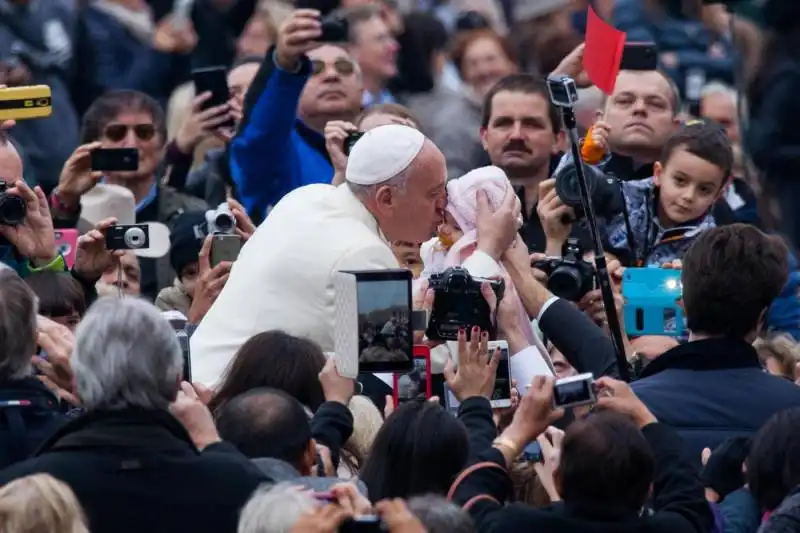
x=18 y=309
x=126 y=355
x=590 y=98
x=274 y=509
x=398 y=181
x=717 y=87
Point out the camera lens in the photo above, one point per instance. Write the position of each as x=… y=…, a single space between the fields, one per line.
x=134 y=238
x=224 y=222
x=568 y=187
x=12 y=209
x=457 y=282
x=565 y=282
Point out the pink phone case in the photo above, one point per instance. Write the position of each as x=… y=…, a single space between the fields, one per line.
x=67 y=244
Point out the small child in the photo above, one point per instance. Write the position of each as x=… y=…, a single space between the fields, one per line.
x=186 y=240
x=669 y=210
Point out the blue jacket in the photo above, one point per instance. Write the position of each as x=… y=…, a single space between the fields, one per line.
x=713 y=389
x=275 y=152
x=654 y=244
x=784 y=313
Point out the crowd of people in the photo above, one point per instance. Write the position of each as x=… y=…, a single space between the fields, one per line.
x=172 y=386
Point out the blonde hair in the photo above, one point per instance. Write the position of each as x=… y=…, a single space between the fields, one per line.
x=40 y=504
x=367 y=420
x=784 y=349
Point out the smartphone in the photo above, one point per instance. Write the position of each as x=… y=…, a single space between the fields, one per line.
x=225 y=247
x=416 y=384
x=501 y=395
x=451 y=403
x=533 y=452
x=351 y=140
x=183 y=341
x=215 y=81
x=115 y=159
x=652 y=301
x=21 y=103
x=362 y=524
x=67 y=244
x=574 y=391
x=639 y=56
x=182 y=12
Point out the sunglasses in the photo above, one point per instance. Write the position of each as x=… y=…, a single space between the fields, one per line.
x=117 y=132
x=341 y=66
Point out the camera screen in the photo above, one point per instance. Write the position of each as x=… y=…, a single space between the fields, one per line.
x=384 y=327
x=572 y=392
x=413 y=385
x=502 y=380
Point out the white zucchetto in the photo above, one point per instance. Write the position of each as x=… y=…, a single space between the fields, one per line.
x=383 y=153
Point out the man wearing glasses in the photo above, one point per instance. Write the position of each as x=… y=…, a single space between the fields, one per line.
x=281 y=146
x=124 y=119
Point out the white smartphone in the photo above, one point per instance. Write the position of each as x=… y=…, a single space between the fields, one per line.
x=501 y=395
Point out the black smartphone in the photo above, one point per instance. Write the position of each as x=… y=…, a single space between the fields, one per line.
x=351 y=140
x=215 y=81
x=362 y=524
x=335 y=29
x=115 y=159
x=639 y=56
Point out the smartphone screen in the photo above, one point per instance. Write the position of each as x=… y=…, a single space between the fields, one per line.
x=501 y=395
x=415 y=384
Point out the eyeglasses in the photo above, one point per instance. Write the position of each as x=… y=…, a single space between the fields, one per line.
x=117 y=132
x=341 y=66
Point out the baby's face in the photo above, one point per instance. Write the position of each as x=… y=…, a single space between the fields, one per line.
x=448 y=231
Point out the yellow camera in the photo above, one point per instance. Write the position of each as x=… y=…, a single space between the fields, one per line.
x=20 y=103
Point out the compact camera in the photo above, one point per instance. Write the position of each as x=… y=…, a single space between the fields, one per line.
x=569 y=276
x=12 y=208
x=574 y=391
x=133 y=237
x=563 y=91
x=335 y=29
x=221 y=219
x=351 y=140
x=459 y=304
x=604 y=191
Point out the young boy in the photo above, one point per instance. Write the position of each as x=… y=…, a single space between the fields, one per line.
x=668 y=211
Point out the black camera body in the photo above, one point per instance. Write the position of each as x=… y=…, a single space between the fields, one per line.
x=133 y=237
x=459 y=304
x=335 y=29
x=604 y=191
x=12 y=208
x=568 y=277
x=351 y=140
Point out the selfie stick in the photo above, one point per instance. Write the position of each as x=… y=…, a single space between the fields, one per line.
x=604 y=280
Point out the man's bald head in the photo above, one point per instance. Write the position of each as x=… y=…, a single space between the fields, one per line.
x=10 y=161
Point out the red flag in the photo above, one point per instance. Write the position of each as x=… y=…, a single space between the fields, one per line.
x=603 y=54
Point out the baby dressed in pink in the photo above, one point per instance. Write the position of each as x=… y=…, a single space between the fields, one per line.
x=457 y=244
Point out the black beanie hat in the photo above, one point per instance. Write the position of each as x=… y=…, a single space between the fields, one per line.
x=186 y=239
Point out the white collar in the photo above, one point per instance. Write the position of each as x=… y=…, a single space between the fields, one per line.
x=357 y=208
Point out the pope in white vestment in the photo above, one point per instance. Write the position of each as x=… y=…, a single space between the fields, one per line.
x=283 y=278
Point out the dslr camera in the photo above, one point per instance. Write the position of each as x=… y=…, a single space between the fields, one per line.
x=459 y=304
x=133 y=237
x=12 y=208
x=604 y=190
x=568 y=277
x=221 y=220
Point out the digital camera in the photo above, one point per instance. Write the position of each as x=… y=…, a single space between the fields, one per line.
x=459 y=304
x=221 y=219
x=563 y=91
x=134 y=237
x=351 y=140
x=604 y=191
x=569 y=276
x=335 y=29
x=12 y=208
